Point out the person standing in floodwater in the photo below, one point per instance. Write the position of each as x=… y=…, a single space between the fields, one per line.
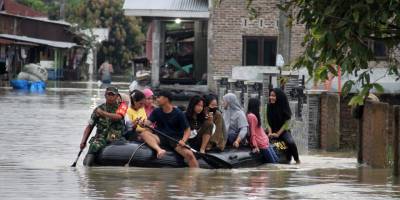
x=278 y=118
x=105 y=71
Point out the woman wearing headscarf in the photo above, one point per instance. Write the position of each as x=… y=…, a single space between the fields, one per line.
x=278 y=117
x=235 y=120
x=149 y=103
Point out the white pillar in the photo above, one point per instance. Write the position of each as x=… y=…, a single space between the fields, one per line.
x=210 y=68
x=156 y=44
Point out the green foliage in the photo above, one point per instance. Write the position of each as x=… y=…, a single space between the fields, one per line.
x=337 y=34
x=125 y=37
x=38 y=5
x=51 y=7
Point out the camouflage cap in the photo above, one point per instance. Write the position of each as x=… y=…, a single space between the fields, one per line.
x=112 y=89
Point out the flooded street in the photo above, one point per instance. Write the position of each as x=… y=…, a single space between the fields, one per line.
x=40 y=136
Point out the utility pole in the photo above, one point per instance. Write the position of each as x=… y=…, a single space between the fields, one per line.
x=1 y=4
x=62 y=9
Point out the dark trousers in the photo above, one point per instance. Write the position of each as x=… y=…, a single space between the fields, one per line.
x=269 y=155
x=287 y=137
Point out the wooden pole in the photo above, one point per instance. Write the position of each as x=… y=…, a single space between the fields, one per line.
x=396 y=134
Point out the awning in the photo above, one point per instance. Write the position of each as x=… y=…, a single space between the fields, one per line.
x=8 y=42
x=27 y=40
x=167 y=8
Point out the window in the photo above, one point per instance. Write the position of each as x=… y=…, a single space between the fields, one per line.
x=379 y=49
x=259 y=51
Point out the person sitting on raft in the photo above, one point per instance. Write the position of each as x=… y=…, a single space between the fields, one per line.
x=124 y=101
x=108 y=129
x=218 y=139
x=135 y=114
x=278 y=118
x=149 y=103
x=201 y=123
x=122 y=108
x=258 y=139
x=171 y=121
x=235 y=121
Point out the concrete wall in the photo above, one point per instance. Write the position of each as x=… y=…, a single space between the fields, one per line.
x=348 y=125
x=313 y=120
x=375 y=134
x=330 y=121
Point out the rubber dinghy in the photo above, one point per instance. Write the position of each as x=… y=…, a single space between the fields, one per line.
x=140 y=155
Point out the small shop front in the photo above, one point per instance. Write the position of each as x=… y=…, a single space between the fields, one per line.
x=176 y=39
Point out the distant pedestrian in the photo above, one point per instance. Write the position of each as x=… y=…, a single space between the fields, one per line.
x=105 y=71
x=278 y=117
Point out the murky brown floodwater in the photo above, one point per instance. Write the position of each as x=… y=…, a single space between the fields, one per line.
x=40 y=135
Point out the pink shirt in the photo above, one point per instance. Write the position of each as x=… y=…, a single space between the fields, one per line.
x=258 y=138
x=149 y=110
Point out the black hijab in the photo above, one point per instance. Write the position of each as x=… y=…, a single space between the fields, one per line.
x=278 y=112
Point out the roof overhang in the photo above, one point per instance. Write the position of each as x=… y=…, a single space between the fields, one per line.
x=167 y=8
x=10 y=42
x=29 y=40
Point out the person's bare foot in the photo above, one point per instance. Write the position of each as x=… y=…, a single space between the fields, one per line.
x=202 y=151
x=161 y=153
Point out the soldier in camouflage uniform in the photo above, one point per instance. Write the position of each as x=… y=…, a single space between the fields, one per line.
x=109 y=129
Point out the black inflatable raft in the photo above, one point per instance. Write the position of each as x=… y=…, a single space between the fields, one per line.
x=140 y=155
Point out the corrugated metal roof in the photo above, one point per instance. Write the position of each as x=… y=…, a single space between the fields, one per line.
x=15 y=8
x=8 y=42
x=42 y=19
x=56 y=44
x=167 y=8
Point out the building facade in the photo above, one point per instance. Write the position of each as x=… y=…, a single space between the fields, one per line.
x=233 y=36
x=239 y=39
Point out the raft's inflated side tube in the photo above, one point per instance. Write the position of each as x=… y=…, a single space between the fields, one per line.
x=118 y=154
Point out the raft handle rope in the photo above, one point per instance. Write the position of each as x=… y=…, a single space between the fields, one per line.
x=133 y=154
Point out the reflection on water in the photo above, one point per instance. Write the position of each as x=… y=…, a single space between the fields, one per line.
x=40 y=135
